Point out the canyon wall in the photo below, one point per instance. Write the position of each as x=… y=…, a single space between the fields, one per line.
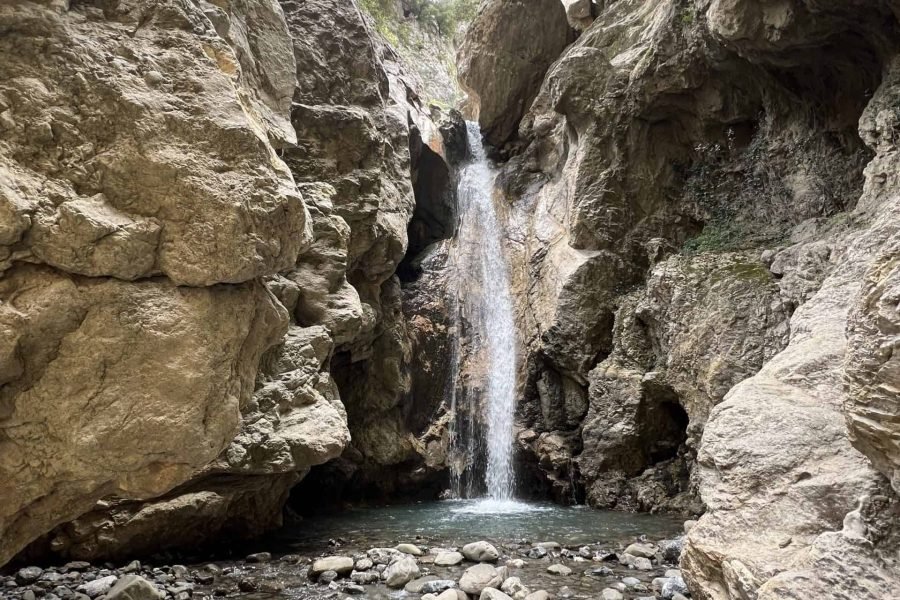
x=202 y=210
x=703 y=231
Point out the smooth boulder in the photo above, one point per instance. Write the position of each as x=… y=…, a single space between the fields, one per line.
x=481 y=576
x=400 y=572
x=480 y=552
x=134 y=587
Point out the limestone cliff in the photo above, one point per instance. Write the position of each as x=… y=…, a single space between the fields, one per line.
x=202 y=209
x=703 y=229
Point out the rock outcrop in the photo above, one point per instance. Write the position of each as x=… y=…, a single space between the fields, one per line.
x=203 y=208
x=703 y=234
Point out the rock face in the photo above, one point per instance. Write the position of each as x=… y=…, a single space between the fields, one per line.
x=506 y=52
x=193 y=262
x=706 y=282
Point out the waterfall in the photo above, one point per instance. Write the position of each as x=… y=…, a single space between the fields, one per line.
x=483 y=305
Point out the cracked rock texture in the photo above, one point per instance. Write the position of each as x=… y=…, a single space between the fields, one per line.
x=202 y=209
x=703 y=232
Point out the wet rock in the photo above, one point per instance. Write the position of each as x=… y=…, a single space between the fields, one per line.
x=448 y=559
x=493 y=594
x=673 y=586
x=630 y=582
x=383 y=556
x=354 y=589
x=549 y=546
x=97 y=587
x=480 y=552
x=365 y=577
x=341 y=565
x=28 y=575
x=324 y=578
x=644 y=550
x=537 y=552
x=514 y=587
x=559 y=570
x=599 y=572
x=363 y=564
x=400 y=572
x=259 y=557
x=436 y=586
x=135 y=587
x=611 y=594
x=671 y=549
x=481 y=576
x=411 y=549
x=415 y=586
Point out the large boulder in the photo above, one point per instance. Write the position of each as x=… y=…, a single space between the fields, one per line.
x=506 y=51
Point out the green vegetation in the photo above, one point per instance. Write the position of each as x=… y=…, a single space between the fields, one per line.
x=446 y=15
x=715 y=237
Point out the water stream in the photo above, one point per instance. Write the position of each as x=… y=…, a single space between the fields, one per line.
x=484 y=309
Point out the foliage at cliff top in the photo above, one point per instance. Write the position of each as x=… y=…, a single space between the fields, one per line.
x=446 y=15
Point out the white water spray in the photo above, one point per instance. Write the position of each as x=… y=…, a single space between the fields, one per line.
x=485 y=302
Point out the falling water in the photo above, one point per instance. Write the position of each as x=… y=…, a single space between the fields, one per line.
x=484 y=303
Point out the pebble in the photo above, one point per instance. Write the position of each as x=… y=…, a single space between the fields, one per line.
x=515 y=563
x=480 y=552
x=98 y=586
x=352 y=588
x=401 y=572
x=599 y=572
x=611 y=594
x=493 y=594
x=559 y=570
x=341 y=565
x=538 y=595
x=28 y=575
x=642 y=550
x=259 y=557
x=481 y=576
x=409 y=549
x=642 y=564
x=537 y=552
x=631 y=581
x=415 y=586
x=436 y=586
x=364 y=577
x=448 y=559
x=326 y=577
x=566 y=592
x=514 y=587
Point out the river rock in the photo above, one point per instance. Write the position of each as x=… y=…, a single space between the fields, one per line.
x=672 y=586
x=384 y=556
x=27 y=575
x=644 y=550
x=98 y=586
x=452 y=595
x=415 y=586
x=411 y=549
x=515 y=563
x=538 y=595
x=480 y=552
x=363 y=564
x=436 y=586
x=259 y=557
x=611 y=594
x=365 y=577
x=514 y=587
x=481 y=576
x=559 y=570
x=342 y=565
x=493 y=594
x=324 y=578
x=135 y=587
x=448 y=559
x=400 y=572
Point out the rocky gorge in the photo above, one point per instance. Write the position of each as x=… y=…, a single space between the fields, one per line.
x=231 y=292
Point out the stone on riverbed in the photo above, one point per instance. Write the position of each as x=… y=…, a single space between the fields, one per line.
x=643 y=550
x=537 y=552
x=673 y=586
x=259 y=557
x=364 y=564
x=400 y=572
x=480 y=552
x=538 y=595
x=493 y=594
x=133 y=587
x=550 y=546
x=514 y=587
x=97 y=587
x=481 y=576
x=452 y=595
x=28 y=575
x=383 y=556
x=436 y=586
x=365 y=577
x=448 y=559
x=409 y=549
x=415 y=586
x=327 y=577
x=611 y=594
x=559 y=570
x=342 y=565
x=515 y=563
